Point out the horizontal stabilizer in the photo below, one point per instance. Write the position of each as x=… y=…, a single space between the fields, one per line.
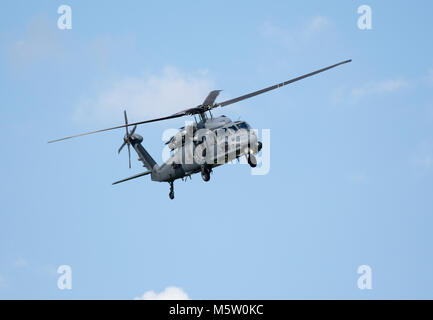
x=133 y=177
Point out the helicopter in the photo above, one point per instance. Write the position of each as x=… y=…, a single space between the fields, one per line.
x=201 y=146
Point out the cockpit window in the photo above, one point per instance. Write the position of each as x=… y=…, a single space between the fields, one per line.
x=243 y=125
x=234 y=128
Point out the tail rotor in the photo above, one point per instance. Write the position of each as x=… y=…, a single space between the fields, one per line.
x=127 y=138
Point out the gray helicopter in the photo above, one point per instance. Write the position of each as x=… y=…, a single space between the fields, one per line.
x=201 y=146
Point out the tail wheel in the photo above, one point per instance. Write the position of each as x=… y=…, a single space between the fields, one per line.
x=171 y=194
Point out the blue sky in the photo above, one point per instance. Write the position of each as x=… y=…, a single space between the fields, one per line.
x=350 y=181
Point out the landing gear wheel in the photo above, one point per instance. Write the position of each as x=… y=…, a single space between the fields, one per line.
x=205 y=174
x=252 y=161
x=171 y=194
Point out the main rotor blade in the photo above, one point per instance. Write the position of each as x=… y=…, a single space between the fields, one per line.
x=118 y=127
x=195 y=110
x=255 y=93
x=211 y=97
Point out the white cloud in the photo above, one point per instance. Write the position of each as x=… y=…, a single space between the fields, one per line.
x=425 y=161
x=272 y=31
x=21 y=263
x=148 y=96
x=292 y=38
x=373 y=88
x=345 y=93
x=40 y=41
x=381 y=87
x=169 y=293
x=316 y=24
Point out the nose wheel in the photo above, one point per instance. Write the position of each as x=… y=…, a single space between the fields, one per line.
x=171 y=194
x=205 y=173
x=252 y=161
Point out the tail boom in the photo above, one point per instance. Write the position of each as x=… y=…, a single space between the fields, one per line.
x=143 y=155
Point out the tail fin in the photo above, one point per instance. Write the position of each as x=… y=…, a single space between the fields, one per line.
x=143 y=155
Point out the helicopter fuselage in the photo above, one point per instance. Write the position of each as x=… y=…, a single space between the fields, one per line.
x=202 y=146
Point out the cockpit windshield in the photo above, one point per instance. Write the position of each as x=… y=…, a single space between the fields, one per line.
x=238 y=125
x=243 y=125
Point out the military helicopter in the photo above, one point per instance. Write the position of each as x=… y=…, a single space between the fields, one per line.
x=201 y=146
